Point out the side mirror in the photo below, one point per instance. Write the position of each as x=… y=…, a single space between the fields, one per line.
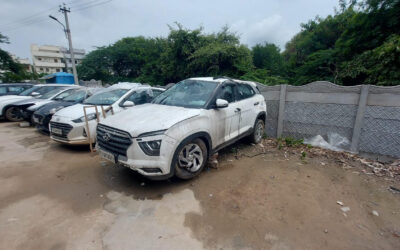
x=128 y=104
x=221 y=103
x=34 y=94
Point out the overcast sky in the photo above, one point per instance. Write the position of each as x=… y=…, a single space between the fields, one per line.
x=256 y=21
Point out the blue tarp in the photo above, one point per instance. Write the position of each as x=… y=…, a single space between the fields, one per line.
x=59 y=77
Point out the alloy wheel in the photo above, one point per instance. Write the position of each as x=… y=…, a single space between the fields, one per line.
x=191 y=157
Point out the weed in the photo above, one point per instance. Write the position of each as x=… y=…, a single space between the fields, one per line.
x=291 y=142
x=303 y=155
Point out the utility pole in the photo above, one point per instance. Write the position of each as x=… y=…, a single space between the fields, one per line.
x=65 y=11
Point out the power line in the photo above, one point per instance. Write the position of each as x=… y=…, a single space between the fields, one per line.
x=42 y=15
x=93 y=5
x=82 y=4
x=28 y=18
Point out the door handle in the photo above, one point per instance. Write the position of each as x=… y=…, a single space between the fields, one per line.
x=255 y=104
x=237 y=110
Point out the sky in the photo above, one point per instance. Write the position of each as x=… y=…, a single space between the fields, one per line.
x=96 y=23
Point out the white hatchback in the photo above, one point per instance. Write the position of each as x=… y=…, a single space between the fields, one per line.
x=68 y=125
x=182 y=127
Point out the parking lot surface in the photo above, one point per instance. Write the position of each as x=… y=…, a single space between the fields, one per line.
x=61 y=197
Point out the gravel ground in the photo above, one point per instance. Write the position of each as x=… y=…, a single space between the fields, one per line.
x=257 y=197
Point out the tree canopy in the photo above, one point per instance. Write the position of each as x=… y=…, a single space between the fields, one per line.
x=10 y=70
x=358 y=44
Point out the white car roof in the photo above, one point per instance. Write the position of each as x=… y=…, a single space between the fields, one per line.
x=222 y=80
x=56 y=84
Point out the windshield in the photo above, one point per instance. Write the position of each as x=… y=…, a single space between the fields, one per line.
x=50 y=93
x=106 y=98
x=64 y=94
x=188 y=93
x=75 y=96
x=29 y=91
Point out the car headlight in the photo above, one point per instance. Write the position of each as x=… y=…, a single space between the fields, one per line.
x=90 y=117
x=153 y=133
x=54 y=110
x=151 y=148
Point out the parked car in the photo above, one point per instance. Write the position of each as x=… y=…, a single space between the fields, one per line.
x=182 y=127
x=27 y=107
x=11 y=113
x=68 y=125
x=14 y=88
x=42 y=116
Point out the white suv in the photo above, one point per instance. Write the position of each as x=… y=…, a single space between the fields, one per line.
x=182 y=127
x=68 y=125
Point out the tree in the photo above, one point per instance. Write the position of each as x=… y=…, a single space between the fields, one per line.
x=268 y=56
x=184 y=53
x=10 y=70
x=348 y=47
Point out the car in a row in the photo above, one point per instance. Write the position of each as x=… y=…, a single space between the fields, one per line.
x=70 y=125
x=11 y=105
x=181 y=128
x=155 y=132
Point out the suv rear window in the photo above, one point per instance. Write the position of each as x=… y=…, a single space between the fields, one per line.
x=244 y=91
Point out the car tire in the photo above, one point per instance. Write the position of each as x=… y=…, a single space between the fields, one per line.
x=10 y=114
x=258 y=131
x=190 y=159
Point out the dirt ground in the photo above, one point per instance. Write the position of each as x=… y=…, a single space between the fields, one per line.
x=260 y=197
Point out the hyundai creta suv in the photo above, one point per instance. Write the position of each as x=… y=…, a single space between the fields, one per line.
x=183 y=126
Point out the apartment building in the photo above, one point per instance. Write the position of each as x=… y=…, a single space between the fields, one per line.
x=25 y=62
x=50 y=59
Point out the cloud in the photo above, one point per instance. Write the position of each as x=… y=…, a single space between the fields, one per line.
x=271 y=29
x=256 y=21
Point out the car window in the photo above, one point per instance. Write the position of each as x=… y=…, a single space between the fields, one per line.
x=227 y=92
x=64 y=94
x=29 y=91
x=139 y=97
x=156 y=92
x=49 y=91
x=244 y=91
x=76 y=96
x=187 y=93
x=3 y=90
x=44 y=90
x=16 y=89
x=106 y=97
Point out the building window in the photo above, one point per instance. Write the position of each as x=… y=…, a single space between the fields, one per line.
x=55 y=60
x=47 y=69
x=58 y=70
x=41 y=69
x=39 y=58
x=76 y=62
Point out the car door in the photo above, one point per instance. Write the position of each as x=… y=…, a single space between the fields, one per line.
x=226 y=119
x=246 y=102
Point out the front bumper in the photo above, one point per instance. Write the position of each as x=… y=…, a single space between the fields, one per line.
x=27 y=115
x=41 y=122
x=72 y=133
x=133 y=157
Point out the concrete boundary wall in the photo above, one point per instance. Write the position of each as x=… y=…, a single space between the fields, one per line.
x=368 y=116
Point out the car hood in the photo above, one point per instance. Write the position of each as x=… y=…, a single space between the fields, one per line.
x=13 y=98
x=149 y=117
x=45 y=109
x=33 y=101
x=76 y=111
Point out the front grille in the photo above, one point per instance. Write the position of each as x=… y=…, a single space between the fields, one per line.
x=113 y=140
x=65 y=128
